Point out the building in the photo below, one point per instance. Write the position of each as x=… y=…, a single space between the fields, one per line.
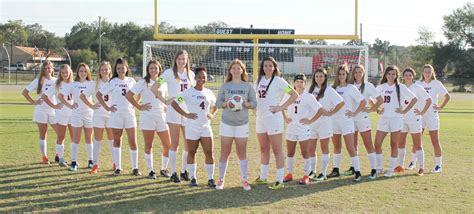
x=31 y=57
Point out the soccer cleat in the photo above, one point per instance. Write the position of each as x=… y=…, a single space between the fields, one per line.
x=349 y=172
x=420 y=172
x=288 y=178
x=276 y=185
x=412 y=165
x=45 y=160
x=334 y=173
x=211 y=184
x=312 y=174
x=185 y=176
x=94 y=170
x=165 y=173
x=358 y=176
x=246 y=185
x=152 y=175
x=115 y=167
x=437 y=169
x=399 y=169
x=117 y=172
x=174 y=178
x=90 y=164
x=136 y=172
x=304 y=180
x=320 y=177
x=373 y=174
x=193 y=183
x=62 y=163
x=388 y=174
x=73 y=166
x=56 y=158
x=220 y=184
x=260 y=181
x=380 y=171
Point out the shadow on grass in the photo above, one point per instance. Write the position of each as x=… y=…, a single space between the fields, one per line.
x=99 y=193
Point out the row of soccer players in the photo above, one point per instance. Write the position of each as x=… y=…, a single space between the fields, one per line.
x=334 y=111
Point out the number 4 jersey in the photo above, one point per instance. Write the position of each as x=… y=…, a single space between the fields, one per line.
x=119 y=88
x=197 y=102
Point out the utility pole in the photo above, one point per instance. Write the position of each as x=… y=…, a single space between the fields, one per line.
x=361 y=34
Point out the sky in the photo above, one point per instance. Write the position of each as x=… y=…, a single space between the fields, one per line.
x=397 y=21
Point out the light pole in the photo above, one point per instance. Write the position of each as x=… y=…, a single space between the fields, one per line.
x=8 y=57
x=100 y=46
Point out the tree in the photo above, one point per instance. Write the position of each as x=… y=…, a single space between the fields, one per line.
x=82 y=35
x=83 y=55
x=317 y=42
x=14 y=32
x=209 y=28
x=458 y=26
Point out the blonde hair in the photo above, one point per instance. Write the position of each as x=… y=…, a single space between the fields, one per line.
x=60 y=77
x=433 y=73
x=352 y=79
x=244 y=76
x=99 y=75
x=41 y=75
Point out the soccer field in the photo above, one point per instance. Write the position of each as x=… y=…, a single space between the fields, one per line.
x=26 y=185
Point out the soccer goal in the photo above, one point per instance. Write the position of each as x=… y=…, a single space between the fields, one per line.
x=292 y=58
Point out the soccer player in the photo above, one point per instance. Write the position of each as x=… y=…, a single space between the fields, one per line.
x=331 y=103
x=179 y=78
x=62 y=115
x=152 y=116
x=301 y=114
x=412 y=120
x=391 y=115
x=362 y=123
x=342 y=123
x=122 y=116
x=81 y=117
x=269 y=123
x=100 y=115
x=430 y=120
x=235 y=124
x=43 y=114
x=200 y=103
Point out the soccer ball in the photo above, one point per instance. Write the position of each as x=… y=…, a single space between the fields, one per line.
x=236 y=102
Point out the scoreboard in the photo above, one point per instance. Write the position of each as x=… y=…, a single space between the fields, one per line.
x=283 y=54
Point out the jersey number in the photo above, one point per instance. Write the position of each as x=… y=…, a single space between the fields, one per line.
x=386 y=99
x=124 y=91
x=296 y=109
x=184 y=87
x=69 y=97
x=262 y=93
x=202 y=105
x=106 y=98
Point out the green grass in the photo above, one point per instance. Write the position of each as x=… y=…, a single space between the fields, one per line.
x=25 y=185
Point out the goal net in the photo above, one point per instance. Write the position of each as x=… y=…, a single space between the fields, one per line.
x=292 y=58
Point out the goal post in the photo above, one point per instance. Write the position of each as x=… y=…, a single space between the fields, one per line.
x=292 y=58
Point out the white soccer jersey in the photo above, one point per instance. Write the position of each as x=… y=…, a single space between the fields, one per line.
x=369 y=93
x=272 y=97
x=197 y=102
x=390 y=99
x=53 y=91
x=304 y=107
x=107 y=97
x=435 y=88
x=76 y=89
x=352 y=98
x=47 y=85
x=330 y=99
x=174 y=86
x=144 y=90
x=421 y=96
x=119 y=88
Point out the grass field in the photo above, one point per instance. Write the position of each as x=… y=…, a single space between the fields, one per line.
x=26 y=185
